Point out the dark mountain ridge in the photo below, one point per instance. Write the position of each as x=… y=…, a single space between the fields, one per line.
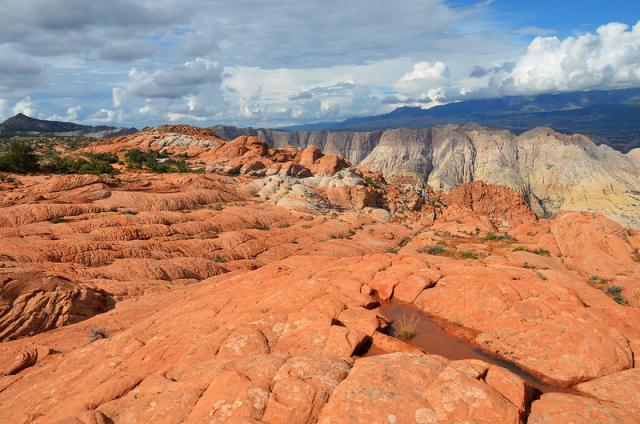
x=22 y=124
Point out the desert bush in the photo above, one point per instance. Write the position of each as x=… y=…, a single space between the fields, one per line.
x=154 y=161
x=541 y=252
x=57 y=219
x=434 y=250
x=20 y=157
x=68 y=165
x=404 y=241
x=614 y=292
x=96 y=333
x=467 y=254
x=372 y=183
x=541 y=276
x=103 y=157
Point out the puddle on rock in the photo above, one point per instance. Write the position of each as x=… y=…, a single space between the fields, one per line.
x=435 y=336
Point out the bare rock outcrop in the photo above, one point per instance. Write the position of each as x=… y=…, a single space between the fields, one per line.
x=553 y=171
x=32 y=302
x=236 y=296
x=500 y=204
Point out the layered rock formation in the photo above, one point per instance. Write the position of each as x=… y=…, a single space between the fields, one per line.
x=257 y=297
x=553 y=171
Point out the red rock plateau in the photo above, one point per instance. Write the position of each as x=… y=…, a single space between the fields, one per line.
x=252 y=293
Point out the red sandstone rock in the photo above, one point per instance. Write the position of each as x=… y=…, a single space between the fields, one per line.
x=402 y=388
x=500 y=204
x=229 y=308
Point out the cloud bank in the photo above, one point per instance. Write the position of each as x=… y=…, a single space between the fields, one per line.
x=256 y=62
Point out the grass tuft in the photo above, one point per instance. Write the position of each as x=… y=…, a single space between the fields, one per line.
x=407 y=326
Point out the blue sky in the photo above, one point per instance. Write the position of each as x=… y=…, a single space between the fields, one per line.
x=563 y=17
x=272 y=63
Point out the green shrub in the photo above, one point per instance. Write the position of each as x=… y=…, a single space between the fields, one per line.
x=96 y=333
x=68 y=165
x=404 y=241
x=467 y=254
x=541 y=252
x=434 y=250
x=103 y=157
x=392 y=251
x=219 y=259
x=541 y=276
x=19 y=157
x=614 y=292
x=57 y=219
x=149 y=160
x=372 y=183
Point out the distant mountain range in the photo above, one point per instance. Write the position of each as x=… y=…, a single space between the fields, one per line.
x=607 y=116
x=22 y=124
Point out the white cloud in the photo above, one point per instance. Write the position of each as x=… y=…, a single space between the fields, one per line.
x=424 y=72
x=24 y=106
x=247 y=62
x=117 y=96
x=608 y=58
x=71 y=116
x=105 y=116
x=426 y=81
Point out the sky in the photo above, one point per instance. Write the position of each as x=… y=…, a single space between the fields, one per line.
x=276 y=63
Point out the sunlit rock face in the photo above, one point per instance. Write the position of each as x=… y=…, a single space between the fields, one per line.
x=236 y=296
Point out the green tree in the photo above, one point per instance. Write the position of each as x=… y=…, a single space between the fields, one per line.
x=20 y=157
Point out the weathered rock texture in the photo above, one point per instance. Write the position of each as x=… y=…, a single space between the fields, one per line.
x=256 y=299
x=553 y=171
